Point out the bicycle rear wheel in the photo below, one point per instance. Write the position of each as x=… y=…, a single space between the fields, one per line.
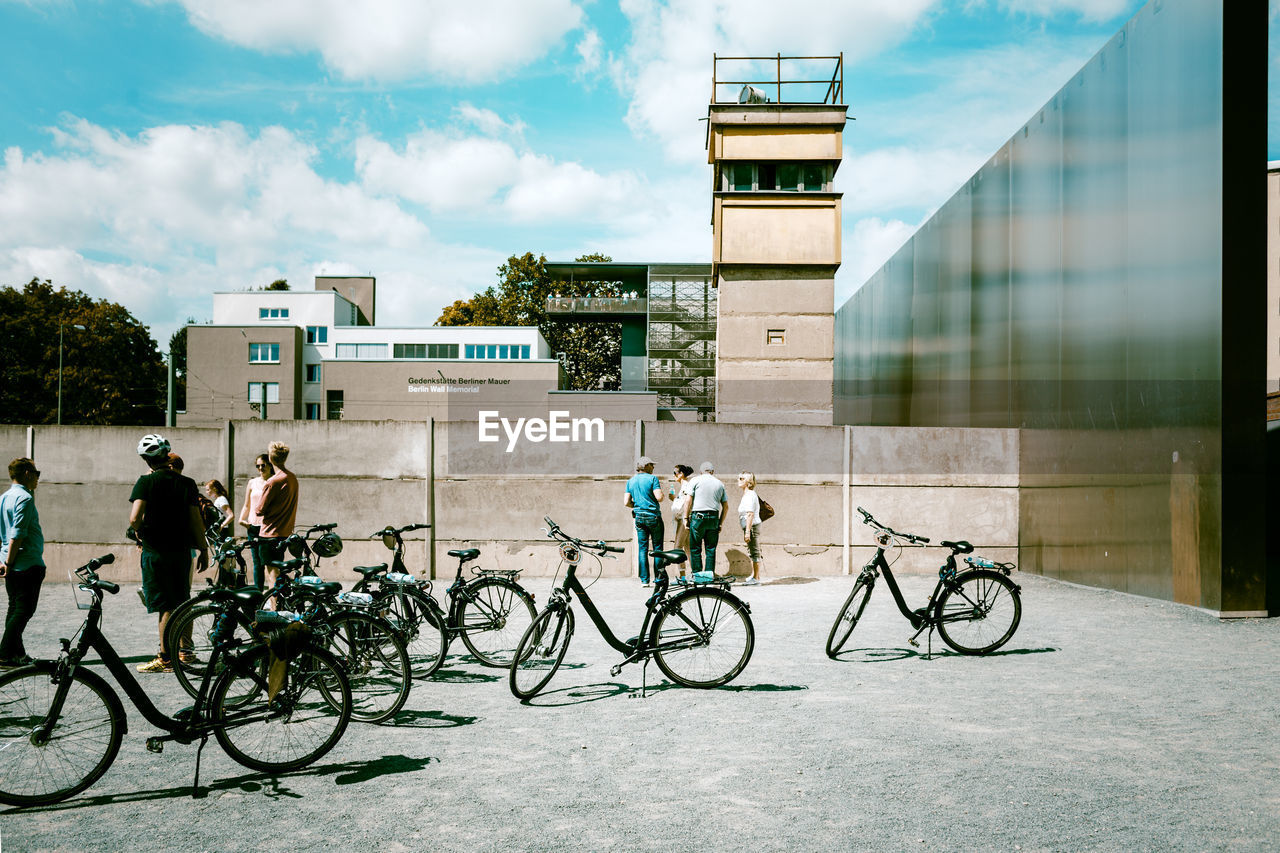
x=494 y=617
x=41 y=768
x=375 y=662
x=540 y=651
x=188 y=638
x=703 y=638
x=978 y=612
x=414 y=616
x=849 y=616
x=303 y=721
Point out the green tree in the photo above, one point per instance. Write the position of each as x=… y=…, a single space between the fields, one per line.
x=278 y=284
x=593 y=351
x=112 y=372
x=178 y=352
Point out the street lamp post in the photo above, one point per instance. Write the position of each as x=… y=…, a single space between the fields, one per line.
x=61 y=325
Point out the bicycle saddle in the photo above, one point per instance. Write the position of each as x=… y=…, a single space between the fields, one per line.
x=668 y=558
x=247 y=595
x=370 y=571
x=465 y=554
x=961 y=547
x=287 y=565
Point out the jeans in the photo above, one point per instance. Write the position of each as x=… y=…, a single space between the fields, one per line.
x=704 y=532
x=252 y=531
x=649 y=533
x=23 y=588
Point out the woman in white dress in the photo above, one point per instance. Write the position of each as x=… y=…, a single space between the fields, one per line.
x=680 y=494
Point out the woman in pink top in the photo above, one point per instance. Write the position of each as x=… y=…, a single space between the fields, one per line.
x=249 y=516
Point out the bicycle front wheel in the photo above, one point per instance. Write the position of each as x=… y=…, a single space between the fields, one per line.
x=493 y=618
x=189 y=640
x=978 y=612
x=39 y=766
x=413 y=614
x=703 y=638
x=300 y=723
x=849 y=616
x=540 y=651
x=375 y=662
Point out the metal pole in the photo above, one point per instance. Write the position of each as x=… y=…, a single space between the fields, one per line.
x=60 y=374
x=170 y=418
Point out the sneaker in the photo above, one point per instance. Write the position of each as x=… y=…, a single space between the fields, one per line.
x=158 y=665
x=14 y=663
x=188 y=657
x=751 y=582
x=646 y=584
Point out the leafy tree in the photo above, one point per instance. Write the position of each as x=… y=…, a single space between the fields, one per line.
x=278 y=284
x=593 y=351
x=112 y=372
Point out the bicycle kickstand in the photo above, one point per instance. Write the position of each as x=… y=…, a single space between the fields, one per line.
x=195 y=783
x=928 y=655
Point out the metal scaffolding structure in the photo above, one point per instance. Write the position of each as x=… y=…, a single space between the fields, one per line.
x=682 y=339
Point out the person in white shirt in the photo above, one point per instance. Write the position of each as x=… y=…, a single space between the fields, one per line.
x=749 y=519
x=681 y=492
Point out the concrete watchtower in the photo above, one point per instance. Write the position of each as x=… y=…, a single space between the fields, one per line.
x=774 y=146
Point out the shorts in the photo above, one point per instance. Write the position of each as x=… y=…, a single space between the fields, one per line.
x=166 y=579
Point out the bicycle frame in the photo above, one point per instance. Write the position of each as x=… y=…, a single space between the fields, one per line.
x=919 y=618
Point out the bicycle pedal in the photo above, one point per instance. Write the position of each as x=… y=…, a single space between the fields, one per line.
x=613 y=673
x=913 y=641
x=154 y=744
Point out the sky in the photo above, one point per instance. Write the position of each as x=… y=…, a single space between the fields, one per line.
x=157 y=151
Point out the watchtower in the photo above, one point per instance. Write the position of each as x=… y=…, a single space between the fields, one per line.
x=774 y=141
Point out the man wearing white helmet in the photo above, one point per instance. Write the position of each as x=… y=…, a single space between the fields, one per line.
x=165 y=515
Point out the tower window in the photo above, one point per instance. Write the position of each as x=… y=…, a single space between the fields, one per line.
x=775 y=337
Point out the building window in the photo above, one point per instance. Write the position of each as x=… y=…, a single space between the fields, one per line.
x=273 y=313
x=317 y=334
x=524 y=351
x=313 y=411
x=409 y=351
x=255 y=392
x=313 y=373
x=776 y=337
x=333 y=405
x=442 y=350
x=775 y=177
x=366 y=351
x=264 y=353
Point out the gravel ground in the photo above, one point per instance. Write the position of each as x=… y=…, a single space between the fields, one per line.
x=1109 y=722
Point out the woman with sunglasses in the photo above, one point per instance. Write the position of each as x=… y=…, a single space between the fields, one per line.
x=248 y=514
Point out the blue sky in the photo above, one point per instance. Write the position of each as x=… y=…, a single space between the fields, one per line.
x=158 y=150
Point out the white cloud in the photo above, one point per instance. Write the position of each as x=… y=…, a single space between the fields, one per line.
x=666 y=68
x=867 y=244
x=452 y=171
x=1089 y=10
x=590 y=53
x=396 y=39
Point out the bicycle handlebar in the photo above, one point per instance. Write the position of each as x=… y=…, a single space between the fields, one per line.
x=910 y=537
x=599 y=546
x=89 y=574
x=395 y=531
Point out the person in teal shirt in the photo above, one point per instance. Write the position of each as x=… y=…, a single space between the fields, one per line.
x=21 y=558
x=644 y=493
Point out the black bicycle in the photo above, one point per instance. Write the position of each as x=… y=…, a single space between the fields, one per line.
x=490 y=611
x=61 y=724
x=700 y=637
x=975 y=611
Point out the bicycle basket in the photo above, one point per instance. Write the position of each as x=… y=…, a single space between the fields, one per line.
x=328 y=545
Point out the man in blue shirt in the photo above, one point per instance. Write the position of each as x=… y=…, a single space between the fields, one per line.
x=644 y=493
x=21 y=558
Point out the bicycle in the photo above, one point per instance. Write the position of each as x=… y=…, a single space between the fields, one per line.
x=700 y=637
x=371 y=652
x=61 y=724
x=489 y=611
x=975 y=611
